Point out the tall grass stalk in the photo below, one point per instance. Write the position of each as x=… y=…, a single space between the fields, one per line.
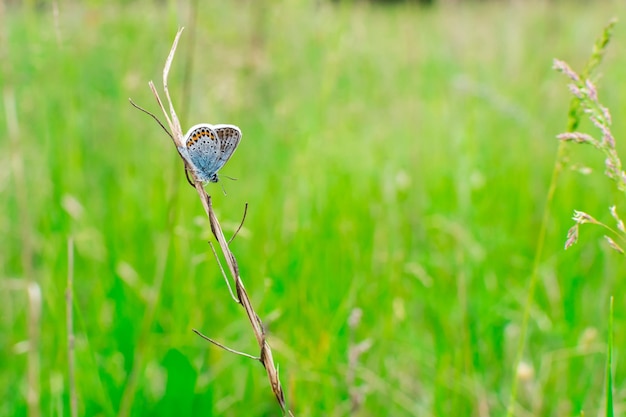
x=32 y=288
x=609 y=364
x=69 y=318
x=265 y=357
x=574 y=117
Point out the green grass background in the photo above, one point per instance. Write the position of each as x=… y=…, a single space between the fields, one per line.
x=395 y=159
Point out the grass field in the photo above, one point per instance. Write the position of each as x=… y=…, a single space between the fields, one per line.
x=395 y=159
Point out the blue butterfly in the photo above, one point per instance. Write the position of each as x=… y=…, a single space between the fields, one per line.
x=207 y=148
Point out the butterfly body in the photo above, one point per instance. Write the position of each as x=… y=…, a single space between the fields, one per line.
x=208 y=147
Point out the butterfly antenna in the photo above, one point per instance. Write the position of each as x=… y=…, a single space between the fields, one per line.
x=230 y=178
x=223 y=189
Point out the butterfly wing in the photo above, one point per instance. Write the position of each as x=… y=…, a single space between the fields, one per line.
x=230 y=136
x=204 y=151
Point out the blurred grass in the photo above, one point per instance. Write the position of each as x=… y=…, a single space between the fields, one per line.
x=395 y=159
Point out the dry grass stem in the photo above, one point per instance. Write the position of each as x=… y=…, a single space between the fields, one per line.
x=243 y=219
x=151 y=115
x=174 y=123
x=219 y=263
x=226 y=348
x=242 y=298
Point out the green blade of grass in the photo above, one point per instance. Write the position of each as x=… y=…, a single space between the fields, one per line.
x=609 y=365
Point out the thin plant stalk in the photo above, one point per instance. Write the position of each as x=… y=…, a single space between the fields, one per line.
x=33 y=393
x=574 y=117
x=609 y=365
x=69 y=317
x=33 y=362
x=242 y=298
